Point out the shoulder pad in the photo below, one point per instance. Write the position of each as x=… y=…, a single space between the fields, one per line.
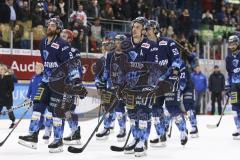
x=163 y=43
x=145 y=45
x=55 y=45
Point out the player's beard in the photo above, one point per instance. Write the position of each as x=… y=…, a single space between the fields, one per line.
x=51 y=33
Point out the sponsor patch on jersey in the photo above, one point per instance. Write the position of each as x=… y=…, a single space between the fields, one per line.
x=154 y=49
x=64 y=48
x=55 y=45
x=145 y=45
x=172 y=43
x=162 y=43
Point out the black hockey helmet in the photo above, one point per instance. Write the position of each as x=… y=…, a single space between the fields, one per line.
x=58 y=23
x=120 y=37
x=141 y=20
x=154 y=24
x=233 y=43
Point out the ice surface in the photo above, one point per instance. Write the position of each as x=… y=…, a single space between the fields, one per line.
x=212 y=144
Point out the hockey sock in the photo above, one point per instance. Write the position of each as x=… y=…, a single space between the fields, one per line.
x=121 y=119
x=35 y=122
x=192 y=118
x=58 y=127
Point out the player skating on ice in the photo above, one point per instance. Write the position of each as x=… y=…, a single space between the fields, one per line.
x=54 y=52
x=233 y=69
x=167 y=54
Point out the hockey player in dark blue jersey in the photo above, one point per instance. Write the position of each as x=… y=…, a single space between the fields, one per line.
x=74 y=138
x=101 y=84
x=187 y=88
x=139 y=112
x=54 y=52
x=167 y=54
x=119 y=109
x=233 y=69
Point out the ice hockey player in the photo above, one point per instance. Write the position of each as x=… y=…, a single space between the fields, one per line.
x=74 y=138
x=233 y=69
x=54 y=52
x=101 y=85
x=167 y=54
x=187 y=88
x=139 y=109
x=120 y=105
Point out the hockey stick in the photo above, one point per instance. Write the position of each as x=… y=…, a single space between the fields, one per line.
x=120 y=149
x=23 y=104
x=80 y=150
x=211 y=126
x=15 y=126
x=99 y=113
x=170 y=131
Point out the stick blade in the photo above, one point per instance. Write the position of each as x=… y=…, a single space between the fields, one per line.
x=211 y=126
x=117 y=149
x=74 y=149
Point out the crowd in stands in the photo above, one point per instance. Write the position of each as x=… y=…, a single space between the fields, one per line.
x=179 y=19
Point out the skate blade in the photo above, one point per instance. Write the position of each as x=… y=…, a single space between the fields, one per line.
x=56 y=150
x=121 y=139
x=27 y=144
x=194 y=135
x=102 y=138
x=140 y=154
x=73 y=142
x=158 y=145
x=236 y=138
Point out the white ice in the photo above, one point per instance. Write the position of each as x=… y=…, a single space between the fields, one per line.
x=212 y=144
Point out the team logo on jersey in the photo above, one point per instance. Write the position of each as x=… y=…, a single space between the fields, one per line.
x=133 y=55
x=154 y=49
x=145 y=45
x=162 y=43
x=45 y=54
x=55 y=45
x=235 y=62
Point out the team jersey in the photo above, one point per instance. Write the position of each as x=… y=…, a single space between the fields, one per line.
x=53 y=54
x=233 y=68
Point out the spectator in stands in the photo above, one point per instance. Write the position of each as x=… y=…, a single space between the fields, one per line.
x=93 y=9
x=77 y=39
x=127 y=9
x=216 y=87
x=107 y=12
x=207 y=18
x=200 y=84
x=185 y=23
x=24 y=11
x=172 y=20
x=96 y=35
x=9 y=12
x=79 y=15
x=6 y=89
x=17 y=35
x=118 y=10
x=62 y=7
x=163 y=18
x=139 y=10
x=38 y=17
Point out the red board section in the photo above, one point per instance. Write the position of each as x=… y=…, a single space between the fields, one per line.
x=23 y=66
